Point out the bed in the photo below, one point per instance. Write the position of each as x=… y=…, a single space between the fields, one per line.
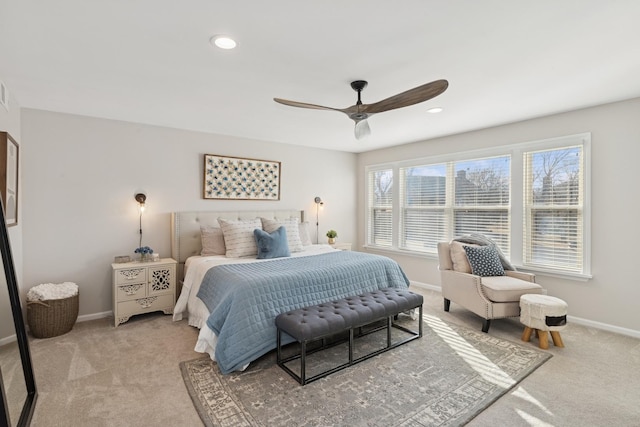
x=234 y=300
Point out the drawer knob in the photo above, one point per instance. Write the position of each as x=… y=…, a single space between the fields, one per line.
x=146 y=302
x=131 y=274
x=130 y=289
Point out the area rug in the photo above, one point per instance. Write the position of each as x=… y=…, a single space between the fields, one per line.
x=443 y=379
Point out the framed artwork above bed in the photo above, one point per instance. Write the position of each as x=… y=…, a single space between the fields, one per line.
x=234 y=178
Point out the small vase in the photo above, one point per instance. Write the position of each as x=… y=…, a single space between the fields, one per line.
x=332 y=240
x=146 y=257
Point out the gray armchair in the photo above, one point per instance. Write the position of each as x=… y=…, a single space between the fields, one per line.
x=490 y=297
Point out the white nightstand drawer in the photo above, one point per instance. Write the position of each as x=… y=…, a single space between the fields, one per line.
x=131 y=275
x=145 y=305
x=130 y=291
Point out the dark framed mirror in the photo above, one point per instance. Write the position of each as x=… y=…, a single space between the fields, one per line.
x=17 y=383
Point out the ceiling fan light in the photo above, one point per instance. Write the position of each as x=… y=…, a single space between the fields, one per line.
x=223 y=42
x=362 y=129
x=435 y=110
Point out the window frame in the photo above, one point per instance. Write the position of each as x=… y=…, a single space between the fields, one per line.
x=517 y=208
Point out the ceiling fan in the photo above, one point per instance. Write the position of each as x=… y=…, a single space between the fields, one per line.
x=360 y=112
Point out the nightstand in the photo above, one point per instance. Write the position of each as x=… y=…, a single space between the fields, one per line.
x=342 y=246
x=143 y=287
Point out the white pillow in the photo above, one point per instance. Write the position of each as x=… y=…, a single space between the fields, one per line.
x=212 y=241
x=459 y=256
x=238 y=236
x=293 y=232
x=305 y=235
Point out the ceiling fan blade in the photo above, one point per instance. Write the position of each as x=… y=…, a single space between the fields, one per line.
x=304 y=105
x=407 y=98
x=362 y=129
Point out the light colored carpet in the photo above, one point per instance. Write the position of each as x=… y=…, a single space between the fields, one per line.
x=98 y=375
x=12 y=379
x=443 y=379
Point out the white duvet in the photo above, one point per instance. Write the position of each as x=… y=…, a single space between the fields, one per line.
x=197 y=313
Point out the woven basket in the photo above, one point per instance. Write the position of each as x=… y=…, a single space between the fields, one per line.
x=53 y=317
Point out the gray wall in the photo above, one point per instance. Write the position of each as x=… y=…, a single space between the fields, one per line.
x=80 y=175
x=608 y=300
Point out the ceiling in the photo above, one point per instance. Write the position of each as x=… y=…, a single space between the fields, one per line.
x=150 y=61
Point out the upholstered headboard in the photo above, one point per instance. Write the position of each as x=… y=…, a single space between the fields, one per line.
x=185 y=229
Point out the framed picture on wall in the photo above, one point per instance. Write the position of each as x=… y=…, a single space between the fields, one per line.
x=234 y=178
x=9 y=177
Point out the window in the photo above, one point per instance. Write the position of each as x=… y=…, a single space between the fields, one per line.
x=424 y=206
x=554 y=208
x=478 y=202
x=529 y=198
x=380 y=190
x=481 y=202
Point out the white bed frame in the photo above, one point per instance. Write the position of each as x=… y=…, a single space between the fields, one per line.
x=185 y=229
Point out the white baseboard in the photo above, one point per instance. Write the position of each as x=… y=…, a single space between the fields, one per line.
x=94 y=316
x=8 y=340
x=426 y=286
x=604 y=326
x=577 y=320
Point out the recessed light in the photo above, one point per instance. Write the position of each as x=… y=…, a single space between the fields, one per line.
x=223 y=42
x=435 y=110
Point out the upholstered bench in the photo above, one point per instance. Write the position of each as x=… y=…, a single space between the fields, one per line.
x=321 y=321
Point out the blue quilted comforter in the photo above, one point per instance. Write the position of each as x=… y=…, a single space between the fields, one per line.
x=244 y=299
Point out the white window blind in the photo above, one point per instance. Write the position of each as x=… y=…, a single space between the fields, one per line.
x=441 y=201
x=380 y=204
x=482 y=188
x=554 y=208
x=423 y=195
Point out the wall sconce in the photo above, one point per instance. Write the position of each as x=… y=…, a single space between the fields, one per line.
x=141 y=198
x=318 y=201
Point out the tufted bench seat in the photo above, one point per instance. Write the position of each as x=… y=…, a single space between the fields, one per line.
x=324 y=320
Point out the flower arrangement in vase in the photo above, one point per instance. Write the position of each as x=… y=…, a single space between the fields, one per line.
x=332 y=234
x=146 y=253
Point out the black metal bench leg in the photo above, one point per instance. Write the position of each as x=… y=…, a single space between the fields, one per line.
x=278 y=344
x=351 y=346
x=389 y=323
x=303 y=362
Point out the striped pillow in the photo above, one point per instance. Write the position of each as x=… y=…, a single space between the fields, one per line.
x=238 y=236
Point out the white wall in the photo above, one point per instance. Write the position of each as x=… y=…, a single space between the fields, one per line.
x=611 y=296
x=80 y=175
x=10 y=122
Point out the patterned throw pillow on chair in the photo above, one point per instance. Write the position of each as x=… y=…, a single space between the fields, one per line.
x=484 y=261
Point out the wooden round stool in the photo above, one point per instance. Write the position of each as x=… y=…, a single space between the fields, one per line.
x=543 y=314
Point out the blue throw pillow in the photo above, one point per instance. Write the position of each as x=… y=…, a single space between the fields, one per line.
x=484 y=261
x=272 y=245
